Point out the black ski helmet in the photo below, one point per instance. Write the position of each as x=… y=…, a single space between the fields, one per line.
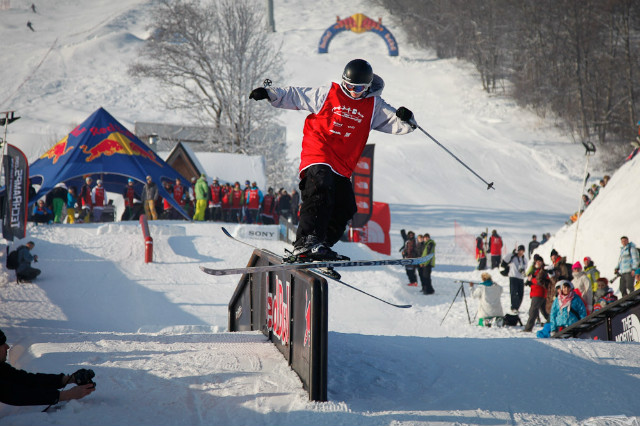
x=358 y=71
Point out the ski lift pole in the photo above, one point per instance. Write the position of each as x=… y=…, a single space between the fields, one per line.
x=489 y=185
x=590 y=149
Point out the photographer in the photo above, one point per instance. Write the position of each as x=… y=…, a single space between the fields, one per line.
x=24 y=271
x=17 y=387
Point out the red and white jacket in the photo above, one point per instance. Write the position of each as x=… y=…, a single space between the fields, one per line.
x=97 y=196
x=338 y=127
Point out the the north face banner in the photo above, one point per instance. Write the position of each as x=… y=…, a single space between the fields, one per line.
x=362 y=180
x=16 y=178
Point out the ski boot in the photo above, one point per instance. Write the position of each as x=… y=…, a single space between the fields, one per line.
x=312 y=250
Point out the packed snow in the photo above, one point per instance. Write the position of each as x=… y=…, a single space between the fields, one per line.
x=156 y=334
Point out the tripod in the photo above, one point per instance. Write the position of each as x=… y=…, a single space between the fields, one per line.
x=464 y=295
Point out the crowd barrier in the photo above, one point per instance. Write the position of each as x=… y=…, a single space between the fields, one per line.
x=617 y=322
x=290 y=308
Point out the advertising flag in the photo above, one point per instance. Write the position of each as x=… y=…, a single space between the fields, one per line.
x=16 y=178
x=362 y=180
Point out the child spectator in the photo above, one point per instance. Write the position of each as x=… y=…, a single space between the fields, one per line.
x=42 y=214
x=592 y=273
x=604 y=295
x=489 y=294
x=567 y=308
x=582 y=286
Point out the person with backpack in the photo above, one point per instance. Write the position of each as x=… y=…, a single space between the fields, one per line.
x=517 y=264
x=628 y=262
x=24 y=271
x=410 y=250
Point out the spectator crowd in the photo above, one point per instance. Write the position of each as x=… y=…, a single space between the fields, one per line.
x=201 y=201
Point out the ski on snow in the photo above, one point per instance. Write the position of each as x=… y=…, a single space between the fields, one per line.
x=315 y=265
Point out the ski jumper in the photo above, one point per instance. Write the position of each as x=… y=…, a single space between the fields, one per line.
x=334 y=137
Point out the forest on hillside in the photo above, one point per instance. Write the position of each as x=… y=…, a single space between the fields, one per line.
x=576 y=59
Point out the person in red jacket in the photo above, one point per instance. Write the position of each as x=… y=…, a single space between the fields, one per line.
x=334 y=136
x=215 y=202
x=99 y=200
x=236 y=198
x=539 y=281
x=495 y=248
x=268 y=208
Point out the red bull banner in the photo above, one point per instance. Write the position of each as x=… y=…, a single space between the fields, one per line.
x=362 y=180
x=358 y=23
x=16 y=178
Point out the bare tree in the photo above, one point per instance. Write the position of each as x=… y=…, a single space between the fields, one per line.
x=209 y=55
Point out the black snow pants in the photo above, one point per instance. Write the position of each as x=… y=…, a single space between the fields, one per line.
x=328 y=203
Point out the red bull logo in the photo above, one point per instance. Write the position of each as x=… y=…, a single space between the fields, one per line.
x=359 y=23
x=58 y=150
x=117 y=143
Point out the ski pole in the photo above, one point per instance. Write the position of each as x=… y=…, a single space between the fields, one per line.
x=489 y=185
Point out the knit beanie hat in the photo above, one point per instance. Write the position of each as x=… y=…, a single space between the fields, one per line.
x=577 y=266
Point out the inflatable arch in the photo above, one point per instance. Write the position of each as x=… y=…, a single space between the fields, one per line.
x=358 y=23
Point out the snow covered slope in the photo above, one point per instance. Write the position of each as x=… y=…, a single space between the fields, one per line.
x=156 y=333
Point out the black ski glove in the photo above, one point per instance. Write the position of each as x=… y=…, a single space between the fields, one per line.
x=259 y=94
x=404 y=114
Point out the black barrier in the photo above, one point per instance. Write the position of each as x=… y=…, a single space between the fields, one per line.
x=291 y=309
x=618 y=321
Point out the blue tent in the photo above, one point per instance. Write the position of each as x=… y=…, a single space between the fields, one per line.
x=103 y=148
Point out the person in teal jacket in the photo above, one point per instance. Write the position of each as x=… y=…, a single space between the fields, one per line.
x=567 y=308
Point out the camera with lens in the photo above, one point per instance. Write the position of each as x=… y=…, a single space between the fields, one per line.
x=84 y=377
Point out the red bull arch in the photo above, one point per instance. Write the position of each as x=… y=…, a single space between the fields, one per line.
x=358 y=23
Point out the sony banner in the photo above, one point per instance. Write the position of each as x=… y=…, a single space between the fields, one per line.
x=16 y=172
x=362 y=180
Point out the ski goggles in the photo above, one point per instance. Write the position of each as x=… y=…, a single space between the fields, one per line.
x=357 y=88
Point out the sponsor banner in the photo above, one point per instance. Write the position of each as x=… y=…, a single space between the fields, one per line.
x=362 y=181
x=291 y=309
x=375 y=234
x=358 y=23
x=258 y=232
x=625 y=327
x=16 y=178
